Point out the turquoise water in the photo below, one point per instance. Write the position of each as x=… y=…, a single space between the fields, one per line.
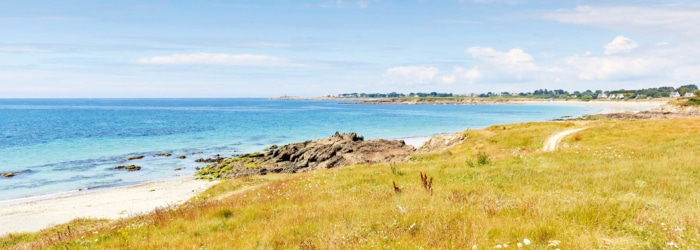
x=63 y=145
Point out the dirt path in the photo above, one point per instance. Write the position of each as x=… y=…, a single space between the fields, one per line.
x=551 y=143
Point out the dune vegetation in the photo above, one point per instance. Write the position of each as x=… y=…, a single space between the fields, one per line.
x=616 y=184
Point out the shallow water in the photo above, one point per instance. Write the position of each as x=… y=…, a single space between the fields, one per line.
x=63 y=145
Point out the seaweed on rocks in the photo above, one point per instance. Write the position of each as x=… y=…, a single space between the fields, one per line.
x=336 y=151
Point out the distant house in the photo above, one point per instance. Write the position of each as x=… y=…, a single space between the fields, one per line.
x=675 y=94
x=602 y=95
x=619 y=96
x=689 y=94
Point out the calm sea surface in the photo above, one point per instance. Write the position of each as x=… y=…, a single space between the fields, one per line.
x=63 y=145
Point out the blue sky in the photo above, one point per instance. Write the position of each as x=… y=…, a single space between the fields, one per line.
x=209 y=48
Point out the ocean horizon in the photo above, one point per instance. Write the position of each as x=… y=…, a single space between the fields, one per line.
x=57 y=146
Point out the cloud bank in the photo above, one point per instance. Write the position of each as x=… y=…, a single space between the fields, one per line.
x=203 y=58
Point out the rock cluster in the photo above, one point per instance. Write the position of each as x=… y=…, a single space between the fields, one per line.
x=336 y=151
x=129 y=168
x=8 y=175
x=217 y=158
x=663 y=112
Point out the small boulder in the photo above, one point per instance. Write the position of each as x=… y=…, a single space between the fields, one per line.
x=8 y=175
x=129 y=168
x=182 y=157
x=164 y=154
x=135 y=157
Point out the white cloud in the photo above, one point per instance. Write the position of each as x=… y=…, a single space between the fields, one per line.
x=410 y=75
x=614 y=68
x=624 y=59
x=218 y=59
x=363 y=4
x=620 y=44
x=494 y=66
x=460 y=74
x=20 y=49
x=515 y=59
x=680 y=20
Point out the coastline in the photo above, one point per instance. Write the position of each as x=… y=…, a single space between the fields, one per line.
x=607 y=107
x=112 y=203
x=36 y=213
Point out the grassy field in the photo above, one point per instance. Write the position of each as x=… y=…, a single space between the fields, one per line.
x=615 y=185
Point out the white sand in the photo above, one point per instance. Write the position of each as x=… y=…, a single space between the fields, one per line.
x=606 y=107
x=109 y=204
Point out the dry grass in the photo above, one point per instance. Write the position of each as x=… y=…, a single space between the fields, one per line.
x=617 y=184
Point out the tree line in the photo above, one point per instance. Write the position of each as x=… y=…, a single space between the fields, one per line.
x=547 y=93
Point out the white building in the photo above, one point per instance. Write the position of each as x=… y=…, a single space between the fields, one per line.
x=675 y=94
x=689 y=94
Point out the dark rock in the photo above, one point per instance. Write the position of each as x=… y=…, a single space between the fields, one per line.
x=182 y=157
x=8 y=175
x=178 y=169
x=164 y=154
x=336 y=151
x=129 y=168
x=217 y=158
x=135 y=157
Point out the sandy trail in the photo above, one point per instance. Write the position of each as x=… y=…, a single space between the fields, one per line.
x=551 y=143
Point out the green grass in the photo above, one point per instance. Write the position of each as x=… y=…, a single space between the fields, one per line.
x=617 y=184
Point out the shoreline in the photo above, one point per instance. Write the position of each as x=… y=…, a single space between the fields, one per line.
x=40 y=212
x=111 y=203
x=607 y=107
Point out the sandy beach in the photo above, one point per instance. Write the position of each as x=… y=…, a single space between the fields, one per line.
x=109 y=204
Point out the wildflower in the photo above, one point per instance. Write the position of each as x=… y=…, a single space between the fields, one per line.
x=402 y=209
x=526 y=242
x=499 y=246
x=554 y=243
x=519 y=245
x=474 y=247
x=672 y=244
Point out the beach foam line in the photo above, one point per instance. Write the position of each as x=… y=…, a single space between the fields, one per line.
x=111 y=203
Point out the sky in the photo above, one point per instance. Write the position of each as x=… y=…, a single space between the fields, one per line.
x=308 y=48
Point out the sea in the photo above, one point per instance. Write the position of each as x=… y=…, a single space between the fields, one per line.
x=63 y=146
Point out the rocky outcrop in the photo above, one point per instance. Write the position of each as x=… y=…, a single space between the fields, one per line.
x=337 y=151
x=8 y=175
x=163 y=155
x=663 y=112
x=441 y=142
